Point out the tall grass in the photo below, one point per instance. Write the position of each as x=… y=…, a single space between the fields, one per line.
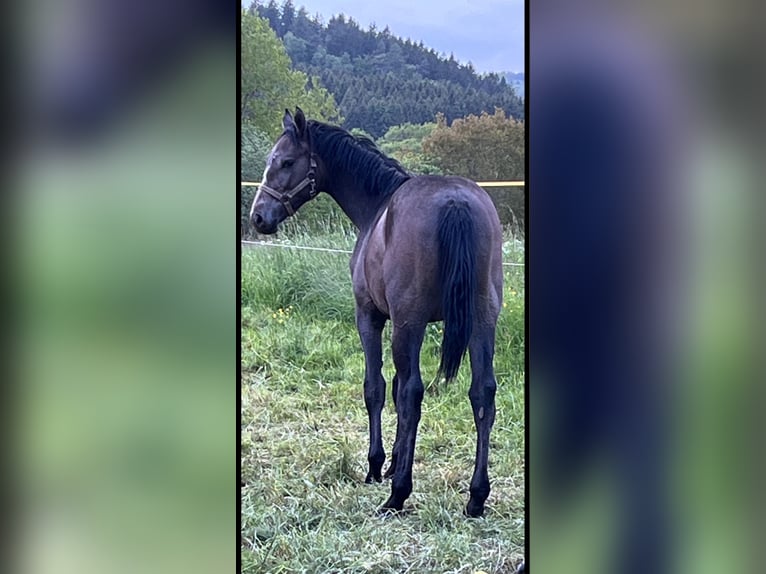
x=304 y=429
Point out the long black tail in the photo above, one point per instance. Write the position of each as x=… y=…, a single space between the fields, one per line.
x=457 y=274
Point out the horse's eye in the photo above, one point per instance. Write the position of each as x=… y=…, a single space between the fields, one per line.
x=288 y=163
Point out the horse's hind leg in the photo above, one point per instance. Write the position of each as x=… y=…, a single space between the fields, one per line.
x=482 y=395
x=370 y=325
x=406 y=342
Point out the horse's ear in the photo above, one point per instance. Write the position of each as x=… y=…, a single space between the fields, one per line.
x=287 y=120
x=300 y=121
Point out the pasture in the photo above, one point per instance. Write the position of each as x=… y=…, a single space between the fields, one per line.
x=305 y=507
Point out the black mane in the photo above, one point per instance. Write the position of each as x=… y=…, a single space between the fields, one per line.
x=341 y=151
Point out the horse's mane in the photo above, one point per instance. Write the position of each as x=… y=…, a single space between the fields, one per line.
x=341 y=151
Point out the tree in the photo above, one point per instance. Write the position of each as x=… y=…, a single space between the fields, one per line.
x=336 y=35
x=287 y=19
x=405 y=144
x=303 y=27
x=407 y=81
x=488 y=147
x=361 y=132
x=485 y=147
x=269 y=84
x=271 y=13
x=297 y=48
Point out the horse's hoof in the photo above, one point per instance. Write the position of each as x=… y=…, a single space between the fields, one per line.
x=391 y=507
x=386 y=512
x=372 y=478
x=474 y=509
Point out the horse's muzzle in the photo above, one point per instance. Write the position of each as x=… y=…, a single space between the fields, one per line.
x=261 y=225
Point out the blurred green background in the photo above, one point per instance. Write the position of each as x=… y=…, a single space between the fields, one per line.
x=702 y=86
x=126 y=246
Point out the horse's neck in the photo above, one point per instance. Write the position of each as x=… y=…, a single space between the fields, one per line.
x=360 y=207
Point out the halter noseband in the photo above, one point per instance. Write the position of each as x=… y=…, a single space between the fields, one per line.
x=286 y=197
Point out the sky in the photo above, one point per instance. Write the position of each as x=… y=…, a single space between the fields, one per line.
x=488 y=33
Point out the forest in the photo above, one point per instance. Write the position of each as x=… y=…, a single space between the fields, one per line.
x=432 y=114
x=380 y=80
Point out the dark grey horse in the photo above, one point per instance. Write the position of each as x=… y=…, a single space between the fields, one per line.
x=429 y=249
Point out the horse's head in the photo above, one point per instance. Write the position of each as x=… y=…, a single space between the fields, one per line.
x=289 y=180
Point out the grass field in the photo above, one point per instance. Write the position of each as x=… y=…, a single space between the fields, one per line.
x=305 y=507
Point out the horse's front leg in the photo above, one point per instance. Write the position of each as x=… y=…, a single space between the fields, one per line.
x=370 y=324
x=392 y=465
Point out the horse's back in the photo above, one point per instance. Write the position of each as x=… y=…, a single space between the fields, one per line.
x=403 y=250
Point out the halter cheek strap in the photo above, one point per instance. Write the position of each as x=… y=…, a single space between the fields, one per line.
x=286 y=197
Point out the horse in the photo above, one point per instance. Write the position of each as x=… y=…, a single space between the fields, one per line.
x=429 y=249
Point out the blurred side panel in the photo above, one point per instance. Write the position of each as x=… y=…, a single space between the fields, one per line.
x=642 y=292
x=125 y=247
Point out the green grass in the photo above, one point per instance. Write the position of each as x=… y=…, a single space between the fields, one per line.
x=305 y=507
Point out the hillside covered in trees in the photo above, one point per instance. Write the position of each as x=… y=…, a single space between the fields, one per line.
x=380 y=80
x=486 y=145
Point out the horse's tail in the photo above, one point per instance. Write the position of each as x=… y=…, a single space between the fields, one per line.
x=457 y=275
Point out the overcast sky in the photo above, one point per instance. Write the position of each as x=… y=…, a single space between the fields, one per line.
x=488 y=33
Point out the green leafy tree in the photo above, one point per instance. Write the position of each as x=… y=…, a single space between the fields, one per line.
x=269 y=84
x=405 y=144
x=361 y=132
x=486 y=147
x=297 y=48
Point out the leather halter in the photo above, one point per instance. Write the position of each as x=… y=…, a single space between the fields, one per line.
x=286 y=197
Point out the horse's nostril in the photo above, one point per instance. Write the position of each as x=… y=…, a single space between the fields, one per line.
x=257 y=219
